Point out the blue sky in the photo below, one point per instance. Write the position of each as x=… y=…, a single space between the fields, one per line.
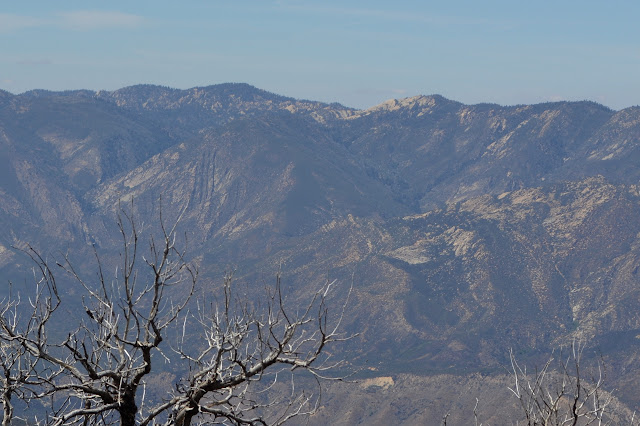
x=358 y=53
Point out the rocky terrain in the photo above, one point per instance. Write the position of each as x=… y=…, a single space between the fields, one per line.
x=466 y=230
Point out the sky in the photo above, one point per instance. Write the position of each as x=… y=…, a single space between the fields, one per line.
x=358 y=53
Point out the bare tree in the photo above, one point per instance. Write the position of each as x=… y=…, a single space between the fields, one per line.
x=23 y=372
x=566 y=395
x=19 y=375
x=97 y=373
x=243 y=346
x=101 y=364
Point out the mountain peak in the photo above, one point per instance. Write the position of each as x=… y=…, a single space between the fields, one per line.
x=420 y=104
x=465 y=229
x=5 y=96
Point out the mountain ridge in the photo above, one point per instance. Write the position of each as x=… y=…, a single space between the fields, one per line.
x=249 y=88
x=465 y=229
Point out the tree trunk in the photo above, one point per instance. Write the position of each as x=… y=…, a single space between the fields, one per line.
x=7 y=408
x=8 y=411
x=128 y=410
x=185 y=416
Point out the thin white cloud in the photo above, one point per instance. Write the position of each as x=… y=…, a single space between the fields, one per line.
x=34 y=62
x=79 y=20
x=380 y=91
x=10 y=23
x=392 y=15
x=555 y=98
x=85 y=20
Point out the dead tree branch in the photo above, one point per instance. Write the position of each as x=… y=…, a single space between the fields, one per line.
x=234 y=355
x=242 y=346
x=563 y=395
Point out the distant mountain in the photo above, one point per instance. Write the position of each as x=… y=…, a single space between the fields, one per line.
x=440 y=151
x=465 y=229
x=201 y=107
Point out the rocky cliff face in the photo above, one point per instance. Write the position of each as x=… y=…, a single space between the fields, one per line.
x=466 y=229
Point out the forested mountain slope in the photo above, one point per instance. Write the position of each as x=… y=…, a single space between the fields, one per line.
x=465 y=229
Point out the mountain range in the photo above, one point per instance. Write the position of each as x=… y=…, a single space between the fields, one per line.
x=465 y=230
